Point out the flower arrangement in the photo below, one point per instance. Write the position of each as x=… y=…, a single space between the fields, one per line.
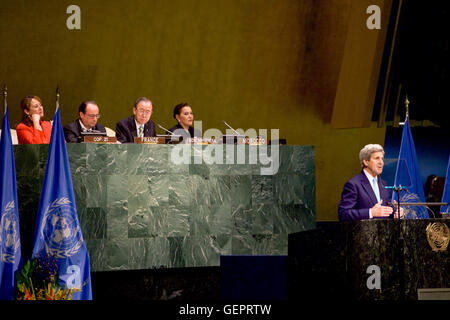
x=38 y=280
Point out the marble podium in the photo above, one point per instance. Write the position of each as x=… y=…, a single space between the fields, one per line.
x=140 y=210
x=338 y=260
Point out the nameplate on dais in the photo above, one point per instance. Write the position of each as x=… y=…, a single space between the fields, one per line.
x=149 y=140
x=98 y=139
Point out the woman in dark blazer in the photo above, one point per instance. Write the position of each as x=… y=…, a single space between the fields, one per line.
x=185 y=117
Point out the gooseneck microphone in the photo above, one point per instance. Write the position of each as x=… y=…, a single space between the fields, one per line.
x=397 y=188
x=237 y=133
x=165 y=129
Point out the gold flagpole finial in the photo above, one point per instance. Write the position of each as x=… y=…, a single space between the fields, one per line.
x=57 y=97
x=407 y=106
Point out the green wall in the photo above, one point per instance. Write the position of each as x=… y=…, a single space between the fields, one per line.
x=253 y=63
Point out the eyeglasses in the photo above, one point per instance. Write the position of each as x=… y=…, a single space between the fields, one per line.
x=144 y=112
x=92 y=116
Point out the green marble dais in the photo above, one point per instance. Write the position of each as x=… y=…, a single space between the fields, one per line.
x=139 y=208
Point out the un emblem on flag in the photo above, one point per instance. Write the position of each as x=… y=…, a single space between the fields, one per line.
x=9 y=235
x=60 y=231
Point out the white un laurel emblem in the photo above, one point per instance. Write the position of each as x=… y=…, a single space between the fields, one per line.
x=60 y=231
x=413 y=212
x=9 y=234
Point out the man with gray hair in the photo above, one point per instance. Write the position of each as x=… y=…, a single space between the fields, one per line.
x=364 y=196
x=139 y=124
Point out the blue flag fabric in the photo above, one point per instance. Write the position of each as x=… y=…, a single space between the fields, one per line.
x=407 y=175
x=10 y=249
x=58 y=231
x=446 y=194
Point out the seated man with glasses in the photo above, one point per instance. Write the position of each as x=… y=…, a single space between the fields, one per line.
x=89 y=113
x=137 y=125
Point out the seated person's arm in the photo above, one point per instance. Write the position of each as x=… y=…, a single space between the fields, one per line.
x=70 y=135
x=30 y=136
x=121 y=133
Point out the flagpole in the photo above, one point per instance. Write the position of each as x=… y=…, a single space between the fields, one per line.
x=72 y=257
x=400 y=240
x=407 y=106
x=5 y=94
x=57 y=98
x=407 y=110
x=402 y=124
x=11 y=260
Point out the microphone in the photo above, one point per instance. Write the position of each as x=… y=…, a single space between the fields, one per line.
x=396 y=188
x=173 y=137
x=93 y=132
x=237 y=133
x=165 y=129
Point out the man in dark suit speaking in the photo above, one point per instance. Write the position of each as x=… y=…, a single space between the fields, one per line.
x=89 y=114
x=139 y=124
x=364 y=196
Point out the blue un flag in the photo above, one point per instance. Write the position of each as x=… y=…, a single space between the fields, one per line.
x=446 y=194
x=407 y=175
x=58 y=231
x=10 y=251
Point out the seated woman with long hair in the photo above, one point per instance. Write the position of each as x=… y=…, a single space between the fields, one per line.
x=33 y=129
x=185 y=117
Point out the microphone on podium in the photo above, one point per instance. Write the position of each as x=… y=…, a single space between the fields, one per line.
x=232 y=138
x=172 y=138
x=397 y=188
x=165 y=129
x=237 y=133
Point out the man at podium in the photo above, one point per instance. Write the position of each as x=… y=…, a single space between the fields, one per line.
x=365 y=196
x=137 y=125
x=87 y=122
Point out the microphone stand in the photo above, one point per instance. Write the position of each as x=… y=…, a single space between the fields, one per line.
x=400 y=243
x=173 y=137
x=400 y=240
x=235 y=137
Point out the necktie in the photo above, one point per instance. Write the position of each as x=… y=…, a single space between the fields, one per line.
x=375 y=189
x=141 y=130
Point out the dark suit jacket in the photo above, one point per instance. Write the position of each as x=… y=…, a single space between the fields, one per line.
x=72 y=131
x=179 y=130
x=126 y=130
x=358 y=197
